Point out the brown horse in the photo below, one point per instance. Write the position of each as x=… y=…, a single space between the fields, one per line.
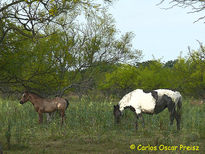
x=45 y=105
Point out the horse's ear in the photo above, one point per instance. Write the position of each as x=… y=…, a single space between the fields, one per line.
x=116 y=106
x=26 y=91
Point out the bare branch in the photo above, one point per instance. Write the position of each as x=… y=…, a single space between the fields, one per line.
x=196 y=6
x=9 y=5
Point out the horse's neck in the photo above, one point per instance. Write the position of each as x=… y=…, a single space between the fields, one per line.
x=123 y=105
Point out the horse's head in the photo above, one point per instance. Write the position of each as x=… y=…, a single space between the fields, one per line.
x=117 y=113
x=24 y=98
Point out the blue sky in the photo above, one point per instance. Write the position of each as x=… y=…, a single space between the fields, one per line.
x=160 y=33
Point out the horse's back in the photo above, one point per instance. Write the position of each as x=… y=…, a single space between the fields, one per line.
x=138 y=99
x=145 y=102
x=174 y=95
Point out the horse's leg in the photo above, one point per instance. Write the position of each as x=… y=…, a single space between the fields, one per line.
x=49 y=117
x=178 y=119
x=171 y=108
x=172 y=115
x=62 y=116
x=141 y=117
x=136 y=122
x=178 y=114
x=40 y=115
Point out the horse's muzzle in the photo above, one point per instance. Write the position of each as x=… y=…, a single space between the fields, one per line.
x=21 y=102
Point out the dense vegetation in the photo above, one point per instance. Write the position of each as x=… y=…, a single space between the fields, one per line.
x=184 y=75
x=90 y=128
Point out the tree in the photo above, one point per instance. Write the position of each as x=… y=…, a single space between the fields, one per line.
x=29 y=50
x=148 y=75
x=69 y=58
x=188 y=74
x=197 y=76
x=170 y=63
x=99 y=46
x=31 y=17
x=120 y=81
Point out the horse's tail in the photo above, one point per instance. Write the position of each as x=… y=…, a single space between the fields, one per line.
x=67 y=103
x=179 y=106
x=178 y=112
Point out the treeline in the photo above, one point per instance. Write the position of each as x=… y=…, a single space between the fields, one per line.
x=46 y=49
x=48 y=74
x=186 y=75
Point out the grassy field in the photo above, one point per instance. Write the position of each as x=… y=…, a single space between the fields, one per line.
x=89 y=128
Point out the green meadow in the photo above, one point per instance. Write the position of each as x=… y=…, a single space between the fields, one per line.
x=90 y=128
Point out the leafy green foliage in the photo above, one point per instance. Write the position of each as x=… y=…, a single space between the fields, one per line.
x=58 y=54
x=70 y=58
x=31 y=17
x=120 y=81
x=184 y=75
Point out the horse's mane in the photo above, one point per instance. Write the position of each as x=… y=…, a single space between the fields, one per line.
x=35 y=94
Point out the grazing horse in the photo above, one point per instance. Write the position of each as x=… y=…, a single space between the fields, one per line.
x=152 y=102
x=45 y=105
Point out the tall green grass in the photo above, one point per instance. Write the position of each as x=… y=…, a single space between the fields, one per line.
x=90 y=128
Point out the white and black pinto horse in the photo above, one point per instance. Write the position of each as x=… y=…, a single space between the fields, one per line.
x=152 y=102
